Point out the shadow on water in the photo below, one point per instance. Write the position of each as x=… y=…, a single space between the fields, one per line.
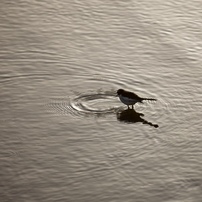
x=131 y=116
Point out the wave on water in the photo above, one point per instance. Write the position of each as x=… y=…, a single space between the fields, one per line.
x=87 y=104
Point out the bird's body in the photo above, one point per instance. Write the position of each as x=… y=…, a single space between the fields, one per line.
x=130 y=98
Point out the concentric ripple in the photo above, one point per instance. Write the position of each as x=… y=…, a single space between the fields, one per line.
x=97 y=104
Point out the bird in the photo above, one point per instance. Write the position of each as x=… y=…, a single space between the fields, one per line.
x=129 y=98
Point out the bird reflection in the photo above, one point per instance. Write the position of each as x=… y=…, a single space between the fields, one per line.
x=131 y=116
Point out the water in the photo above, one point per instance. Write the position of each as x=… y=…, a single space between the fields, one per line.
x=64 y=134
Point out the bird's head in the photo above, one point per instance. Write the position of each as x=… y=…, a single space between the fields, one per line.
x=120 y=91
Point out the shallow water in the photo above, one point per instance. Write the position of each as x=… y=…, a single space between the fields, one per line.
x=65 y=136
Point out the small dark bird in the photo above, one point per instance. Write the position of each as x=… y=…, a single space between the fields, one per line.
x=130 y=98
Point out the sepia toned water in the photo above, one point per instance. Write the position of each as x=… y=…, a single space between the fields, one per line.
x=65 y=136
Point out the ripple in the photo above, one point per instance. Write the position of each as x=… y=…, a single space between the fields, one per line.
x=89 y=104
x=101 y=103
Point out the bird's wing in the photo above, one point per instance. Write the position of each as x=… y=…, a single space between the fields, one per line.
x=134 y=96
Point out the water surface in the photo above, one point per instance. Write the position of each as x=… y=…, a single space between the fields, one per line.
x=65 y=136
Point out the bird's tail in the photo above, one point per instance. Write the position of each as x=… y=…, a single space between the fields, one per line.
x=151 y=99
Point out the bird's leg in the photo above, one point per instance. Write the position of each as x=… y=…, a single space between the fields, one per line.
x=128 y=107
x=132 y=107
